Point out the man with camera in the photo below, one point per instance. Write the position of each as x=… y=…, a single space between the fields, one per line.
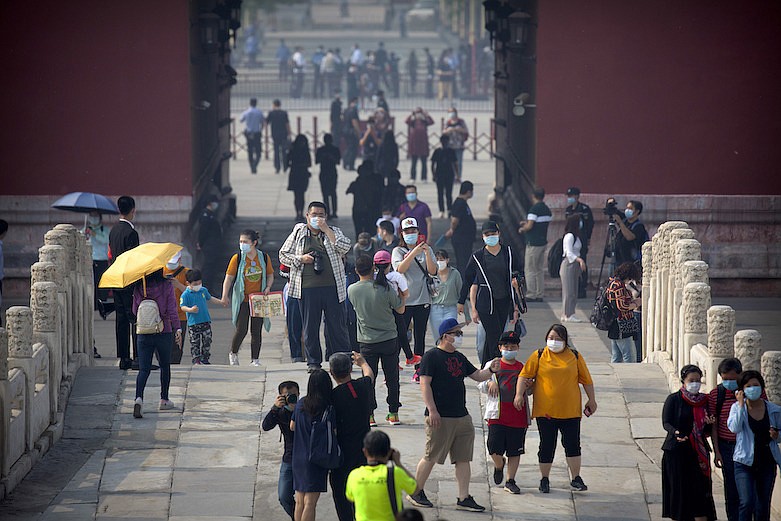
x=314 y=251
x=629 y=243
x=575 y=207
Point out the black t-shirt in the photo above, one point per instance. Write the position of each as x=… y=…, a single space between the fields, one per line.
x=496 y=270
x=278 y=121
x=447 y=372
x=444 y=160
x=352 y=414
x=631 y=251
x=466 y=222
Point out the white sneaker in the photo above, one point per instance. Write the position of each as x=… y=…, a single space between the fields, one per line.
x=562 y=318
x=254 y=363
x=233 y=359
x=166 y=405
x=137 y=408
x=441 y=215
x=573 y=318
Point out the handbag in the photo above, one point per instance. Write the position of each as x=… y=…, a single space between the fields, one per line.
x=432 y=284
x=628 y=327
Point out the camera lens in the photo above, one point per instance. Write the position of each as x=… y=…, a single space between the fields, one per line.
x=291 y=399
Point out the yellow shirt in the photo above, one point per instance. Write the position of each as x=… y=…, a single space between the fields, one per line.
x=557 y=375
x=253 y=278
x=367 y=487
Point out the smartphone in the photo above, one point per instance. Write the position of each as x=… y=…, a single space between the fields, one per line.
x=421 y=239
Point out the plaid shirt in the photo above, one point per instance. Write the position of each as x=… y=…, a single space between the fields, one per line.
x=293 y=248
x=619 y=295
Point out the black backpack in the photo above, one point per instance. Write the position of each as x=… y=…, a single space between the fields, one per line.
x=555 y=254
x=604 y=313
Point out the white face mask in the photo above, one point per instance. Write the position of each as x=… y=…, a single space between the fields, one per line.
x=441 y=265
x=196 y=287
x=557 y=346
x=244 y=247
x=458 y=341
x=693 y=387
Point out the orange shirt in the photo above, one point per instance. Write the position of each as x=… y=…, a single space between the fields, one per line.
x=180 y=277
x=253 y=278
x=556 y=376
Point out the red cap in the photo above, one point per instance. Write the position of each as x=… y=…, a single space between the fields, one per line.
x=382 y=257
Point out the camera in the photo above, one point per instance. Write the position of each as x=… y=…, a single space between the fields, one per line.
x=291 y=399
x=611 y=208
x=319 y=263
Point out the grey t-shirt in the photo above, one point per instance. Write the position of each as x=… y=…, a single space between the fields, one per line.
x=374 y=309
x=416 y=279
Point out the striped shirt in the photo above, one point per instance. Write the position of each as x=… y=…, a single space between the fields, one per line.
x=294 y=247
x=541 y=216
x=729 y=398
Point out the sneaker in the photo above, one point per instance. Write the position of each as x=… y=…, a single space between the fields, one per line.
x=575 y=319
x=393 y=418
x=372 y=423
x=166 y=405
x=441 y=215
x=578 y=484
x=416 y=378
x=415 y=360
x=205 y=361
x=95 y=353
x=137 y=408
x=420 y=500
x=468 y=503
x=499 y=473
x=545 y=486
x=562 y=318
x=197 y=361
x=511 y=487
x=255 y=363
x=233 y=359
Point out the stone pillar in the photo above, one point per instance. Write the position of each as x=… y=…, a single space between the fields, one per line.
x=647 y=311
x=674 y=230
x=19 y=321
x=696 y=301
x=771 y=372
x=665 y=259
x=695 y=271
x=656 y=296
x=63 y=237
x=721 y=333
x=748 y=348
x=48 y=270
x=686 y=249
x=3 y=355
x=45 y=307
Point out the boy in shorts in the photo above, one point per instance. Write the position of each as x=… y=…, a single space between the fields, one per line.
x=506 y=424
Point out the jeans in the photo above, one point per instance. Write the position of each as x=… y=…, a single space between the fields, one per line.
x=386 y=352
x=294 y=327
x=285 y=488
x=147 y=345
x=755 y=488
x=534 y=263
x=280 y=154
x=414 y=169
x=255 y=326
x=623 y=351
x=438 y=315
x=727 y=449
x=314 y=303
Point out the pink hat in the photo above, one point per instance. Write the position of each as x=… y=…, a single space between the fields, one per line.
x=382 y=257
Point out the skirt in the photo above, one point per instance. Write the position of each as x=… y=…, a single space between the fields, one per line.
x=686 y=492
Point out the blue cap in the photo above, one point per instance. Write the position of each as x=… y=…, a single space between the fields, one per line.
x=448 y=325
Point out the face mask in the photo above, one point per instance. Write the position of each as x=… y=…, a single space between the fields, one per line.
x=451 y=115
x=570 y=201
x=753 y=392
x=313 y=222
x=693 y=387
x=290 y=408
x=491 y=240
x=629 y=213
x=458 y=341
x=412 y=197
x=244 y=247
x=171 y=265
x=557 y=346
x=93 y=219
x=379 y=236
x=410 y=238
x=196 y=287
x=509 y=355
x=730 y=385
x=441 y=265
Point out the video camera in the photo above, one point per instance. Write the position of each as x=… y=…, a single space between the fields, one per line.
x=611 y=207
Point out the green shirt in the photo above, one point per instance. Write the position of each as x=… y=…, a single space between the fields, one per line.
x=374 y=307
x=449 y=290
x=310 y=279
x=541 y=215
x=367 y=487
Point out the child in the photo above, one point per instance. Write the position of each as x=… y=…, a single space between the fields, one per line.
x=367 y=486
x=199 y=323
x=506 y=425
x=397 y=281
x=280 y=415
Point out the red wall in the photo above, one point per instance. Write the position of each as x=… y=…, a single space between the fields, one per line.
x=95 y=97
x=659 y=96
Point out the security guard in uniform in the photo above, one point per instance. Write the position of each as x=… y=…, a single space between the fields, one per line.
x=574 y=206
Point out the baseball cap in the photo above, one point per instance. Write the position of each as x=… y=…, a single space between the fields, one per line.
x=448 y=325
x=573 y=190
x=382 y=257
x=490 y=226
x=409 y=222
x=176 y=258
x=510 y=337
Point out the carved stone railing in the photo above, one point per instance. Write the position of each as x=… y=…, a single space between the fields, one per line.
x=41 y=349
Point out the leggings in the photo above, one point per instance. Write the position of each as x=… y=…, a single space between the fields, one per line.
x=549 y=432
x=298 y=201
x=254 y=324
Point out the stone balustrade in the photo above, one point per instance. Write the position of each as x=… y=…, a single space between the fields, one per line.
x=41 y=349
x=680 y=326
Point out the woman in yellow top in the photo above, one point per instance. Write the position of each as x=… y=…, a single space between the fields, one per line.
x=555 y=373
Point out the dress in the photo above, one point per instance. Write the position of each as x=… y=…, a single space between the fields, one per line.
x=307 y=477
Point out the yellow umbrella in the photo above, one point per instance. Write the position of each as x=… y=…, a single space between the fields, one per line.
x=134 y=264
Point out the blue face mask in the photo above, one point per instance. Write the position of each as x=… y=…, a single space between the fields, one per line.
x=730 y=385
x=412 y=197
x=411 y=238
x=491 y=240
x=313 y=222
x=509 y=355
x=570 y=201
x=629 y=213
x=379 y=236
x=244 y=247
x=753 y=392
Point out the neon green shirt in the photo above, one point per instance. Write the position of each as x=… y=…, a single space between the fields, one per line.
x=367 y=487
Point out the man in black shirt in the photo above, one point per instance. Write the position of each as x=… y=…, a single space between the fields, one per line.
x=280 y=133
x=462 y=226
x=575 y=207
x=279 y=416
x=629 y=243
x=124 y=237
x=449 y=428
x=352 y=401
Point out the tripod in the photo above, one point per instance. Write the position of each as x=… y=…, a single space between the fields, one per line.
x=609 y=252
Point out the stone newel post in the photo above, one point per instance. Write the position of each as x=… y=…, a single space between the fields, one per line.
x=771 y=372
x=686 y=249
x=648 y=308
x=19 y=320
x=45 y=308
x=748 y=348
x=3 y=355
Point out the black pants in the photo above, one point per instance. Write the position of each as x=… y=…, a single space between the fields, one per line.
x=253 y=150
x=125 y=323
x=329 y=198
x=549 y=432
x=386 y=352
x=462 y=248
x=418 y=315
x=98 y=268
x=494 y=327
x=280 y=154
x=423 y=168
x=445 y=193
x=298 y=201
x=345 y=510
x=350 y=151
x=176 y=351
x=255 y=326
x=401 y=331
x=315 y=302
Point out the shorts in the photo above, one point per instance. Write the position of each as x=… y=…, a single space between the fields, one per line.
x=454 y=436
x=506 y=440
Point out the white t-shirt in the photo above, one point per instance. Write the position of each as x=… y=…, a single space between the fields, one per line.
x=395 y=220
x=397 y=281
